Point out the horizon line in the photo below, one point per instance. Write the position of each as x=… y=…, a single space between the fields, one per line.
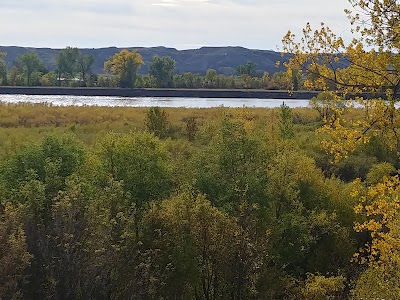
x=138 y=47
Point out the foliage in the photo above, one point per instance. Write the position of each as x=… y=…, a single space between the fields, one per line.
x=319 y=287
x=247 y=69
x=73 y=68
x=379 y=206
x=328 y=106
x=199 y=236
x=237 y=212
x=52 y=161
x=48 y=79
x=206 y=265
x=211 y=77
x=70 y=62
x=66 y=62
x=352 y=69
x=191 y=127
x=84 y=64
x=124 y=65
x=375 y=283
x=286 y=122
x=162 y=69
x=31 y=65
x=140 y=161
x=370 y=64
x=237 y=159
x=157 y=122
x=14 y=257
x=3 y=69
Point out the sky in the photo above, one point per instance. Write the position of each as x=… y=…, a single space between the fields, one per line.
x=181 y=24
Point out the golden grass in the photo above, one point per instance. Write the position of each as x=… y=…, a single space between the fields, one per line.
x=23 y=124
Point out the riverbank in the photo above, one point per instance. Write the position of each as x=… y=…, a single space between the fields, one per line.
x=173 y=93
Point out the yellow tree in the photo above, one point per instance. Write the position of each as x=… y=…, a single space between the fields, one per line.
x=379 y=209
x=365 y=71
x=124 y=65
x=368 y=65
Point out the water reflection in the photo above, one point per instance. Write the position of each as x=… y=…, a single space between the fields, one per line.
x=148 y=102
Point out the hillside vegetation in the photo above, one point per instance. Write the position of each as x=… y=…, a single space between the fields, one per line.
x=197 y=61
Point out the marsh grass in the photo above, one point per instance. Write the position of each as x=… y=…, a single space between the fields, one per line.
x=24 y=124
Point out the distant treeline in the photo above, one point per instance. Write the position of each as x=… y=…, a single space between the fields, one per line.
x=74 y=69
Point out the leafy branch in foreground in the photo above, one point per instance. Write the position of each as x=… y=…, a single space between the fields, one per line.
x=368 y=65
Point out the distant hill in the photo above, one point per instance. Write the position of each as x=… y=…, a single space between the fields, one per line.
x=222 y=59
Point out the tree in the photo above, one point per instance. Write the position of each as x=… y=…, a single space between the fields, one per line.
x=68 y=237
x=378 y=22
x=323 y=288
x=248 y=68
x=162 y=69
x=327 y=105
x=157 y=122
x=211 y=78
x=49 y=79
x=33 y=178
x=84 y=64
x=14 y=256
x=140 y=161
x=280 y=81
x=286 y=122
x=30 y=64
x=379 y=207
x=124 y=65
x=212 y=255
x=188 y=80
x=370 y=63
x=3 y=69
x=67 y=62
x=196 y=239
x=238 y=160
x=59 y=155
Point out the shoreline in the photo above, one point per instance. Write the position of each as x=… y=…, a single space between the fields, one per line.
x=170 y=93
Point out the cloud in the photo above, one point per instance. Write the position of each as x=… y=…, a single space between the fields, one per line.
x=166 y=3
x=175 y=3
x=66 y=7
x=172 y=23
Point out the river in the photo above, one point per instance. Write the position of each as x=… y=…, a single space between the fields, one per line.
x=150 y=101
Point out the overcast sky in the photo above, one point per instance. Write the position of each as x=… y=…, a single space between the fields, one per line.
x=182 y=24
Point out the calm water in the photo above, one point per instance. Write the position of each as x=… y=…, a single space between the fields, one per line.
x=147 y=102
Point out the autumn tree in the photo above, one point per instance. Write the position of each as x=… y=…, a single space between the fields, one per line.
x=212 y=255
x=379 y=209
x=370 y=64
x=124 y=65
x=33 y=178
